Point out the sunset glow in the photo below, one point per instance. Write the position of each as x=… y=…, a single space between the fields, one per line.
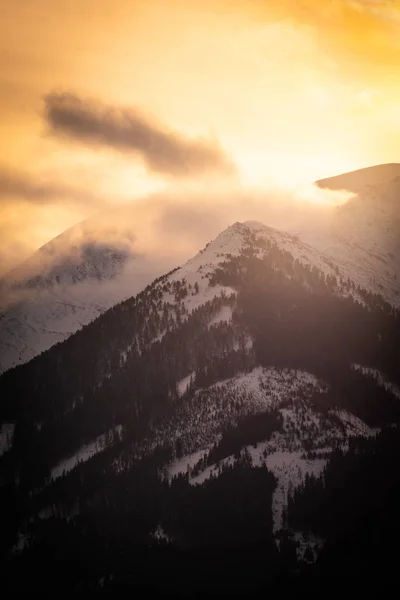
x=287 y=92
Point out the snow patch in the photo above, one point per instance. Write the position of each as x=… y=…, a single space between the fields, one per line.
x=379 y=378
x=160 y=535
x=290 y=469
x=85 y=452
x=211 y=471
x=268 y=387
x=184 y=383
x=181 y=466
x=224 y=315
x=6 y=435
x=354 y=425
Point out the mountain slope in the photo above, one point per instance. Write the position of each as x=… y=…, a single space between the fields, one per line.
x=203 y=417
x=66 y=284
x=369 y=226
x=245 y=362
x=357 y=181
x=71 y=281
x=75 y=278
x=362 y=236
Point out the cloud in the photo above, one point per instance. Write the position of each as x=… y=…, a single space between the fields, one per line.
x=125 y=129
x=34 y=208
x=362 y=32
x=179 y=224
x=32 y=188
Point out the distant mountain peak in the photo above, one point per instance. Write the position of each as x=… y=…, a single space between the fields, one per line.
x=355 y=181
x=93 y=266
x=253 y=225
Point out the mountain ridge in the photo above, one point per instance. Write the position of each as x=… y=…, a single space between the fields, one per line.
x=357 y=180
x=202 y=411
x=49 y=300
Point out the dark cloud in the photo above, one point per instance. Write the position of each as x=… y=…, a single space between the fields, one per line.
x=124 y=129
x=24 y=186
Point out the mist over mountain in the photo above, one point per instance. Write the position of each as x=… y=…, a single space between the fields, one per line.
x=236 y=420
x=67 y=283
x=199 y=298
x=362 y=236
x=104 y=260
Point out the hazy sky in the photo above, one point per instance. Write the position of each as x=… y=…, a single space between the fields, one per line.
x=104 y=101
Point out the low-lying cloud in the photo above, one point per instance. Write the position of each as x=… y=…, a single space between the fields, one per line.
x=169 y=226
x=124 y=129
x=34 y=207
x=34 y=189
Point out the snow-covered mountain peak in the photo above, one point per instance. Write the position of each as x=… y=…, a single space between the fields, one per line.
x=249 y=360
x=359 y=180
x=81 y=273
x=67 y=283
x=253 y=234
x=216 y=273
x=231 y=241
x=362 y=236
x=74 y=256
x=198 y=270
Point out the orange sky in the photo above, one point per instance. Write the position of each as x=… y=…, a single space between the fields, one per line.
x=289 y=91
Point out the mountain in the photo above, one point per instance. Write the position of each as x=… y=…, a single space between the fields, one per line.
x=76 y=277
x=207 y=429
x=369 y=228
x=66 y=284
x=357 y=181
x=362 y=236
